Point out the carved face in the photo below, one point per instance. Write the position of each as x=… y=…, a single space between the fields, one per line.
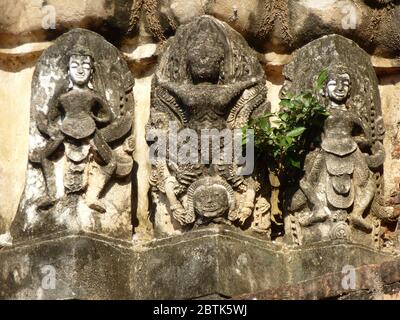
x=210 y=201
x=205 y=62
x=338 y=88
x=80 y=69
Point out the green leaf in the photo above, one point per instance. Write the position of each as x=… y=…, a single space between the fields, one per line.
x=278 y=135
x=263 y=123
x=295 y=163
x=321 y=79
x=296 y=132
x=244 y=135
x=286 y=103
x=283 y=116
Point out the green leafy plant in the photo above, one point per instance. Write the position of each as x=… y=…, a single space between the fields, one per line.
x=282 y=137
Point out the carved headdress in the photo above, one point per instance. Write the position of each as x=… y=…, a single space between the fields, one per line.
x=80 y=49
x=240 y=63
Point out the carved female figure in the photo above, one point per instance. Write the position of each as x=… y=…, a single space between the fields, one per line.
x=342 y=194
x=73 y=119
x=80 y=141
x=338 y=179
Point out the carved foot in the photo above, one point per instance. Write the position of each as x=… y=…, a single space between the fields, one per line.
x=46 y=202
x=359 y=222
x=261 y=228
x=36 y=156
x=245 y=213
x=222 y=220
x=318 y=216
x=97 y=206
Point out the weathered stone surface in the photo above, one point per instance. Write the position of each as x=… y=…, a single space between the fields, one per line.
x=370 y=283
x=285 y=25
x=277 y=25
x=14 y=128
x=215 y=261
x=29 y=21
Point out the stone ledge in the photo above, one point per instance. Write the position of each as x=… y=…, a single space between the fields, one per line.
x=372 y=282
x=207 y=262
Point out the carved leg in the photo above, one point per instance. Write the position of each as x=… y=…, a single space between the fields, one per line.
x=102 y=147
x=248 y=205
x=262 y=215
x=363 y=198
x=101 y=176
x=275 y=184
x=178 y=211
x=40 y=156
x=319 y=213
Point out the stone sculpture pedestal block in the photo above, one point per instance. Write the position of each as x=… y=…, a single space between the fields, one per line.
x=214 y=262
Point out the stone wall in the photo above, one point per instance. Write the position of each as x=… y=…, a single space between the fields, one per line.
x=139 y=29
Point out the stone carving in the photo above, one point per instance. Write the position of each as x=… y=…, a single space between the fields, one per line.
x=207 y=78
x=340 y=195
x=210 y=199
x=81 y=140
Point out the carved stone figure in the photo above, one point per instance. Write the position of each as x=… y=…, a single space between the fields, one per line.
x=78 y=129
x=208 y=80
x=81 y=140
x=340 y=195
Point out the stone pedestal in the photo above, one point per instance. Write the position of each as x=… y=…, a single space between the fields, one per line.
x=215 y=262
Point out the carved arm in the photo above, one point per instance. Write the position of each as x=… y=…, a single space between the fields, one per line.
x=46 y=124
x=108 y=117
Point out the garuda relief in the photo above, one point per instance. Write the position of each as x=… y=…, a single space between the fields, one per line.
x=341 y=193
x=81 y=142
x=208 y=81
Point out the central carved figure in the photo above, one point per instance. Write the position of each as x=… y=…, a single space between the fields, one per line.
x=207 y=78
x=206 y=96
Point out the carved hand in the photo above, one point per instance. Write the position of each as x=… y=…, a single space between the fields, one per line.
x=180 y=214
x=244 y=214
x=35 y=156
x=53 y=130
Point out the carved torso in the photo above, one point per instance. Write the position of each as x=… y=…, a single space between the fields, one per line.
x=338 y=129
x=78 y=105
